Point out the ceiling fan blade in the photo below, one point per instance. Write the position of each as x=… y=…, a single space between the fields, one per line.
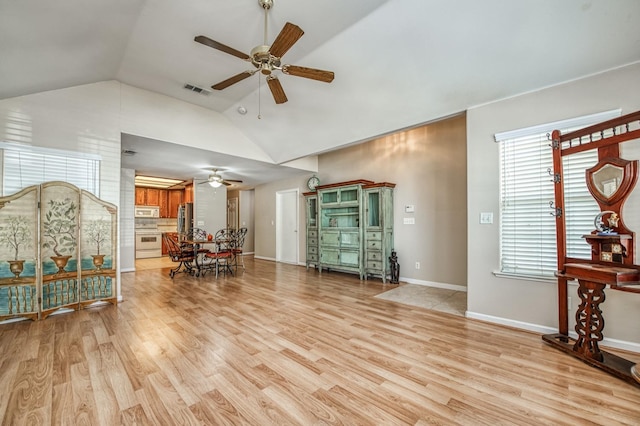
x=289 y=34
x=312 y=73
x=221 y=47
x=233 y=180
x=276 y=90
x=233 y=80
x=225 y=183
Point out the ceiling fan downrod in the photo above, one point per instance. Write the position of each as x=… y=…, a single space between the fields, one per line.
x=266 y=5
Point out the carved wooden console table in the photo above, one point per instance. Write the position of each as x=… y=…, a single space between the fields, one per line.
x=612 y=262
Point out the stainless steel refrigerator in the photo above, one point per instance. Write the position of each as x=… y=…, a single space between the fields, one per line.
x=185 y=218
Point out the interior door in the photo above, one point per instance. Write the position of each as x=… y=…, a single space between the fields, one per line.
x=287 y=226
x=232 y=213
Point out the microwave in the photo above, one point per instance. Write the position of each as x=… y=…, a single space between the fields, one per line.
x=147 y=211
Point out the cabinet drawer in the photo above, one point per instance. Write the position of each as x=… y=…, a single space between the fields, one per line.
x=374 y=255
x=312 y=242
x=312 y=250
x=312 y=257
x=374 y=264
x=374 y=235
x=312 y=233
x=374 y=245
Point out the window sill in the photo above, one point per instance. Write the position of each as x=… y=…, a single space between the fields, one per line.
x=500 y=274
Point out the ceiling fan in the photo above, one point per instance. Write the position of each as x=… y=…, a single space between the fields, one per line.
x=216 y=180
x=267 y=59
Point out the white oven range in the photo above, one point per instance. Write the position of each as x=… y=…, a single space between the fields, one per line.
x=148 y=243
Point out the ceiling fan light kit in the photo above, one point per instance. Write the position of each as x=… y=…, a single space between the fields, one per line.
x=216 y=180
x=267 y=58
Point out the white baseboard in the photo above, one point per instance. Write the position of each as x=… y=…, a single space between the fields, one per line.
x=434 y=284
x=264 y=258
x=536 y=328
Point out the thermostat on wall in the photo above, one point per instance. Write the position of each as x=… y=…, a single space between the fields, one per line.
x=409 y=208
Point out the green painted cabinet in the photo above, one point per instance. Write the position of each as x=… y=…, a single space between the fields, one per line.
x=354 y=227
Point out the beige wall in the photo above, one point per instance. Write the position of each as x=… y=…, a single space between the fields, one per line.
x=531 y=304
x=428 y=164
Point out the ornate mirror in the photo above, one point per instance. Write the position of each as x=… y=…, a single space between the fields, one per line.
x=611 y=180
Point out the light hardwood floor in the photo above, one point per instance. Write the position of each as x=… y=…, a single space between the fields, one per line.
x=280 y=345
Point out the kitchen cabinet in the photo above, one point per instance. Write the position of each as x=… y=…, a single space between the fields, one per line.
x=167 y=199
x=163 y=202
x=354 y=227
x=141 y=196
x=188 y=193
x=147 y=196
x=153 y=197
x=175 y=197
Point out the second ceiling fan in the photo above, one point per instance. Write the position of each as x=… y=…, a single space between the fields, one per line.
x=216 y=180
x=267 y=59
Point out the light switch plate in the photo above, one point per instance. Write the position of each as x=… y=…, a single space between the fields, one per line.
x=486 y=217
x=409 y=221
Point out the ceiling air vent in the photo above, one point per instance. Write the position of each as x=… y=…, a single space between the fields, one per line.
x=197 y=89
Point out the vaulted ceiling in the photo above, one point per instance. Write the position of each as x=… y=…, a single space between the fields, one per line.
x=397 y=63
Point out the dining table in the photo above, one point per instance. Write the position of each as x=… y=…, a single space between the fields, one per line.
x=200 y=266
x=197 y=252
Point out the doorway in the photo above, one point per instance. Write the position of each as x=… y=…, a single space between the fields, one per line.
x=287 y=226
x=232 y=213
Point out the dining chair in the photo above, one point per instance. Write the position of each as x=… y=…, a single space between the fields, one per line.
x=179 y=254
x=239 y=238
x=222 y=256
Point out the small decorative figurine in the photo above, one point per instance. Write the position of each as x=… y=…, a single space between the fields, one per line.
x=612 y=223
x=395 y=268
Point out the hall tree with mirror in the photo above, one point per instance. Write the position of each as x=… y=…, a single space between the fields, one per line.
x=612 y=264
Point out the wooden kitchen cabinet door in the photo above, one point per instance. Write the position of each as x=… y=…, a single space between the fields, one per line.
x=141 y=196
x=153 y=197
x=188 y=193
x=164 y=203
x=175 y=198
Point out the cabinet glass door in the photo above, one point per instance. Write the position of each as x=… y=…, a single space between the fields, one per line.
x=313 y=211
x=349 y=195
x=329 y=197
x=373 y=209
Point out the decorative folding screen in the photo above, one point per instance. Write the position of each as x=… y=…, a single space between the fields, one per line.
x=74 y=263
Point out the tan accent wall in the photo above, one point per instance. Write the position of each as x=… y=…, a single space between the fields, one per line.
x=428 y=165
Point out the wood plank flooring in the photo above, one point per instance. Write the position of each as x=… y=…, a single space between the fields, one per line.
x=277 y=345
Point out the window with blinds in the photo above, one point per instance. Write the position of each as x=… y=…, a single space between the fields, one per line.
x=527 y=224
x=23 y=166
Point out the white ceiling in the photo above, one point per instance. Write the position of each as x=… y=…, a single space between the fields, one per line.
x=397 y=63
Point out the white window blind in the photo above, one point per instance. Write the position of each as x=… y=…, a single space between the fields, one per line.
x=23 y=166
x=527 y=226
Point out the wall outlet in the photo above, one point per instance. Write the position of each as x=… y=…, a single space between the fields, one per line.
x=417 y=265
